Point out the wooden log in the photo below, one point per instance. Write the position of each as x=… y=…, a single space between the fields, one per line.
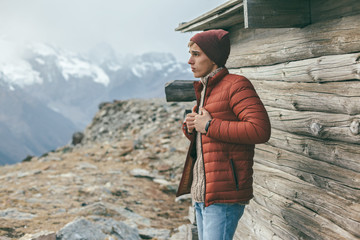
x=321 y=69
x=276 y=14
x=261 y=47
x=259 y=223
x=331 y=97
x=328 y=9
x=180 y=91
x=344 y=155
x=324 y=126
x=340 y=181
x=307 y=207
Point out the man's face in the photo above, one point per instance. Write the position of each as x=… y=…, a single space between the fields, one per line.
x=200 y=64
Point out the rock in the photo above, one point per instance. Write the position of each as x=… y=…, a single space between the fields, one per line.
x=80 y=229
x=117 y=229
x=43 y=235
x=186 y=232
x=28 y=158
x=49 y=158
x=12 y=213
x=141 y=173
x=109 y=210
x=4 y=238
x=77 y=138
x=86 y=165
x=97 y=229
x=154 y=233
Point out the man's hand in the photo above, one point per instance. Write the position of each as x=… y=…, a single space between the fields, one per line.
x=201 y=120
x=189 y=120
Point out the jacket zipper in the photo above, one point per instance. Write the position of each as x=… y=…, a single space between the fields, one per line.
x=234 y=174
x=202 y=149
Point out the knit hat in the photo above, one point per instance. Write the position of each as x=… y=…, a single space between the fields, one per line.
x=215 y=44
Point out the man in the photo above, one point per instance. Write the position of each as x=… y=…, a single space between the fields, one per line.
x=226 y=123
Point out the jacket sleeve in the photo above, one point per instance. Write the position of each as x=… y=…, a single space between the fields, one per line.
x=190 y=136
x=253 y=124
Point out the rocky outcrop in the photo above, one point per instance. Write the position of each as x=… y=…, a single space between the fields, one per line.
x=118 y=182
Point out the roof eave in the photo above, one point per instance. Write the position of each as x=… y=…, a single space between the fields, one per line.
x=224 y=16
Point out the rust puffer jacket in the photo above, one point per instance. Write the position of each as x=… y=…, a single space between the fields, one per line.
x=239 y=121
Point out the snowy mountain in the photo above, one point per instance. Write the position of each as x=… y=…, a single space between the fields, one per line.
x=27 y=126
x=68 y=87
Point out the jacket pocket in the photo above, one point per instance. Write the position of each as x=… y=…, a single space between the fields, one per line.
x=233 y=170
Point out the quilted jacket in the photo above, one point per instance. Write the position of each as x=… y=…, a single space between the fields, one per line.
x=239 y=121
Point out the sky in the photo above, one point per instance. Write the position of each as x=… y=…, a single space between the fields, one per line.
x=130 y=27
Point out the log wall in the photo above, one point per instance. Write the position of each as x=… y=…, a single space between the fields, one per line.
x=307 y=177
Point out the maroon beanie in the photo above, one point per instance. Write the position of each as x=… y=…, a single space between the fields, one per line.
x=215 y=44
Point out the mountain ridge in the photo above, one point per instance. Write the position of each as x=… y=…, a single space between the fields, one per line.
x=73 y=85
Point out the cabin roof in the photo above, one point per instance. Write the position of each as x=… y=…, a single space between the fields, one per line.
x=252 y=14
x=223 y=16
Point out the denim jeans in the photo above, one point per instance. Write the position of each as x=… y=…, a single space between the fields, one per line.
x=217 y=221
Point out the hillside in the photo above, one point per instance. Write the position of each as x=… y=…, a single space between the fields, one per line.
x=124 y=175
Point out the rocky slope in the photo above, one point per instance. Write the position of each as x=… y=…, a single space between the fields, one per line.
x=118 y=183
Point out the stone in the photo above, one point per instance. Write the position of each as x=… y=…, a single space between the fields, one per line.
x=141 y=173
x=43 y=235
x=109 y=210
x=80 y=229
x=154 y=233
x=119 y=230
x=13 y=213
x=77 y=138
x=86 y=165
x=185 y=232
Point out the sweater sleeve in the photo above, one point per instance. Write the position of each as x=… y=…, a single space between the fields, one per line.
x=253 y=124
x=190 y=136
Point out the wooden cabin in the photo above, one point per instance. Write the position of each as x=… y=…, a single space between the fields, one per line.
x=303 y=57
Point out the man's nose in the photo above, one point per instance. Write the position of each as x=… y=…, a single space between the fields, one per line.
x=190 y=61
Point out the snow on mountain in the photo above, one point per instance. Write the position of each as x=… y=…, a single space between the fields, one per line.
x=20 y=73
x=68 y=85
x=70 y=64
x=73 y=66
x=13 y=69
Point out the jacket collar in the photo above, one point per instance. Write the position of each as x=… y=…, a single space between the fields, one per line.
x=212 y=81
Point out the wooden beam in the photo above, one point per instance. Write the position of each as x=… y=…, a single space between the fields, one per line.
x=276 y=13
x=180 y=91
x=324 y=126
x=304 y=207
x=331 y=97
x=259 y=47
x=344 y=155
x=322 y=69
x=340 y=181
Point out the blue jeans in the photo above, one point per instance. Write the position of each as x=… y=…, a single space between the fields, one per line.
x=218 y=221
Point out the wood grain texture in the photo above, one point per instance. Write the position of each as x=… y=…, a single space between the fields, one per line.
x=305 y=207
x=259 y=47
x=336 y=153
x=340 y=181
x=321 y=69
x=330 y=9
x=325 y=126
x=330 y=97
x=276 y=13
